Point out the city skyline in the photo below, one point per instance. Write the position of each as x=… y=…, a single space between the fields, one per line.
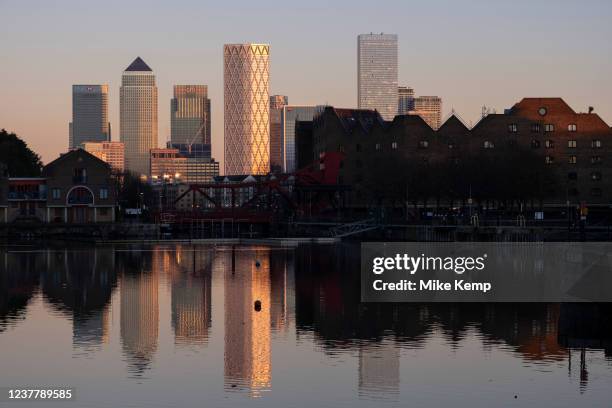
x=479 y=55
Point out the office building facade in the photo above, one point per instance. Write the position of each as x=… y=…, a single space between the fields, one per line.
x=377 y=73
x=190 y=115
x=405 y=100
x=289 y=116
x=430 y=109
x=246 y=108
x=112 y=153
x=138 y=115
x=276 y=108
x=89 y=115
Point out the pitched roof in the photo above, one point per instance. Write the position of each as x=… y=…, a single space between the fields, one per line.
x=138 y=65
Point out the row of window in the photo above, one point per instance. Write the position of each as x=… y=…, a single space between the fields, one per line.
x=573 y=160
x=56 y=193
x=548 y=127
x=488 y=144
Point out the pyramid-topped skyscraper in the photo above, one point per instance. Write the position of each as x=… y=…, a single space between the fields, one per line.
x=138 y=115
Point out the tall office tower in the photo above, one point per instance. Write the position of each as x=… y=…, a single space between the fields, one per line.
x=89 y=115
x=246 y=108
x=405 y=100
x=430 y=109
x=190 y=115
x=276 y=107
x=138 y=115
x=377 y=73
x=289 y=116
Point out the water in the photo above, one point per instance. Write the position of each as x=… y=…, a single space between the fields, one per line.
x=177 y=326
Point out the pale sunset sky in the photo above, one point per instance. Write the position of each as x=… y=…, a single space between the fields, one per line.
x=471 y=53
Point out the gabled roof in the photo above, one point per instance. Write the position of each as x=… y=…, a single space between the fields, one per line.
x=453 y=122
x=75 y=152
x=138 y=65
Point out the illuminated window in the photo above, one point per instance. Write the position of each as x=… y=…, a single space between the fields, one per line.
x=571 y=144
x=549 y=144
x=571 y=160
x=488 y=144
x=512 y=128
x=549 y=128
x=572 y=127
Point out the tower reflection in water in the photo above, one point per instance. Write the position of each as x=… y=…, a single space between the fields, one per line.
x=247 y=320
x=309 y=294
x=139 y=289
x=190 y=274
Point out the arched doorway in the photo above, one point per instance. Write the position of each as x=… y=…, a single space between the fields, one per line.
x=80 y=201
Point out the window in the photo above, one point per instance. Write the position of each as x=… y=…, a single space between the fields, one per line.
x=595 y=159
x=79 y=176
x=423 y=144
x=341 y=148
x=357 y=147
x=595 y=176
x=535 y=144
x=542 y=111
x=549 y=144
x=573 y=191
x=571 y=160
x=451 y=145
x=572 y=127
x=571 y=144
x=378 y=146
x=549 y=160
x=103 y=193
x=488 y=144
x=572 y=175
x=535 y=128
x=596 y=144
x=596 y=192
x=394 y=145
x=549 y=128
x=512 y=128
x=358 y=164
x=55 y=193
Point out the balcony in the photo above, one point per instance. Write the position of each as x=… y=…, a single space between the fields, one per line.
x=27 y=195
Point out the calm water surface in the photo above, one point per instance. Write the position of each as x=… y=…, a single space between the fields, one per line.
x=178 y=325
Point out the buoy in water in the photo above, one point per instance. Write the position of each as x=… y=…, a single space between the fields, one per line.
x=258 y=305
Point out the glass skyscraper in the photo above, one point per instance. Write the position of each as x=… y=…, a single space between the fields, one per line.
x=190 y=115
x=377 y=73
x=246 y=108
x=291 y=114
x=276 y=109
x=89 y=115
x=138 y=115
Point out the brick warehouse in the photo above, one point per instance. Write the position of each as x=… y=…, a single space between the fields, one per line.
x=573 y=149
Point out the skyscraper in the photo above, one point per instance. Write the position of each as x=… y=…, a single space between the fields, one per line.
x=377 y=73
x=246 y=108
x=405 y=100
x=190 y=115
x=138 y=115
x=276 y=107
x=89 y=115
x=289 y=115
x=430 y=109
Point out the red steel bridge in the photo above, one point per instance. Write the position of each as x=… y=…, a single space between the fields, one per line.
x=312 y=190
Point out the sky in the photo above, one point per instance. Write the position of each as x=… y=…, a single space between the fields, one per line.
x=471 y=53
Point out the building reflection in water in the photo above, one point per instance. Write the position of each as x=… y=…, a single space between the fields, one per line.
x=311 y=289
x=247 y=319
x=379 y=369
x=79 y=283
x=190 y=274
x=140 y=307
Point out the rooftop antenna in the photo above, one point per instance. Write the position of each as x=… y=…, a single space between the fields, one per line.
x=591 y=109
